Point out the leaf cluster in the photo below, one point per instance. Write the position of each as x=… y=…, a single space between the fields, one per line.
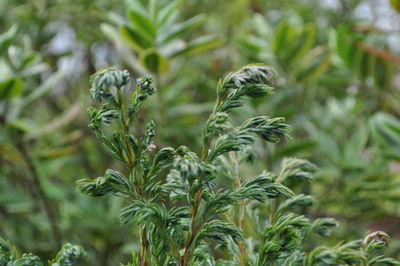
x=67 y=256
x=175 y=198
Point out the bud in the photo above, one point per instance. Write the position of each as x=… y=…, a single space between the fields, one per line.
x=102 y=117
x=218 y=122
x=104 y=79
x=375 y=241
x=146 y=87
x=151 y=147
x=255 y=75
x=150 y=132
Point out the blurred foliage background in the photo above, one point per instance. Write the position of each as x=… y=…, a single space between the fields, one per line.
x=339 y=86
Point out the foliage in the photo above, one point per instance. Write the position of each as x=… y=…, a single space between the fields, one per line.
x=68 y=255
x=337 y=88
x=182 y=214
x=155 y=36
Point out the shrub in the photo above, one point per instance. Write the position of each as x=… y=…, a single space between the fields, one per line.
x=186 y=216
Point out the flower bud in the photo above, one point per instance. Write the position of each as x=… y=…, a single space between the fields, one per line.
x=104 y=79
x=376 y=241
x=146 y=87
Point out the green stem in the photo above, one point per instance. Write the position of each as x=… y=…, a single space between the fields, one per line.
x=194 y=227
x=239 y=210
x=130 y=162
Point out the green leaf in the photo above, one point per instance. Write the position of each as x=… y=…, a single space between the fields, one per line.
x=283 y=36
x=261 y=25
x=168 y=12
x=316 y=62
x=153 y=61
x=6 y=254
x=142 y=24
x=137 y=40
x=68 y=255
x=295 y=147
x=324 y=226
x=11 y=88
x=198 y=45
x=135 y=5
x=357 y=143
x=250 y=43
x=383 y=73
x=6 y=38
x=28 y=260
x=110 y=31
x=178 y=30
x=343 y=44
x=366 y=64
x=301 y=44
x=386 y=129
x=296 y=202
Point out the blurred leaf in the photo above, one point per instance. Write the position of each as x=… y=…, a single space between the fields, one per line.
x=366 y=64
x=135 y=5
x=137 y=40
x=251 y=43
x=58 y=152
x=11 y=88
x=386 y=129
x=358 y=140
x=261 y=25
x=301 y=44
x=64 y=119
x=20 y=125
x=315 y=63
x=46 y=86
x=168 y=12
x=6 y=38
x=383 y=73
x=284 y=33
x=110 y=31
x=142 y=24
x=395 y=4
x=343 y=44
x=154 y=61
x=177 y=30
x=8 y=152
x=295 y=147
x=198 y=45
x=328 y=146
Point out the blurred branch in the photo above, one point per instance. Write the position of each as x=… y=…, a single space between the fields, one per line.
x=46 y=206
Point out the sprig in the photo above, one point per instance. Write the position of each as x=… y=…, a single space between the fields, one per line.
x=174 y=194
x=67 y=256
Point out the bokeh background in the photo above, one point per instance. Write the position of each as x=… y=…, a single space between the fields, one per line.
x=339 y=86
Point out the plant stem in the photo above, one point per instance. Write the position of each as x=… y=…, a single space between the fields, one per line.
x=143 y=246
x=130 y=163
x=240 y=209
x=197 y=199
x=194 y=227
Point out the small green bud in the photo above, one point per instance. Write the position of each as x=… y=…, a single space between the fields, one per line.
x=28 y=260
x=102 y=117
x=68 y=255
x=218 y=123
x=250 y=75
x=149 y=133
x=145 y=86
x=6 y=255
x=104 y=79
